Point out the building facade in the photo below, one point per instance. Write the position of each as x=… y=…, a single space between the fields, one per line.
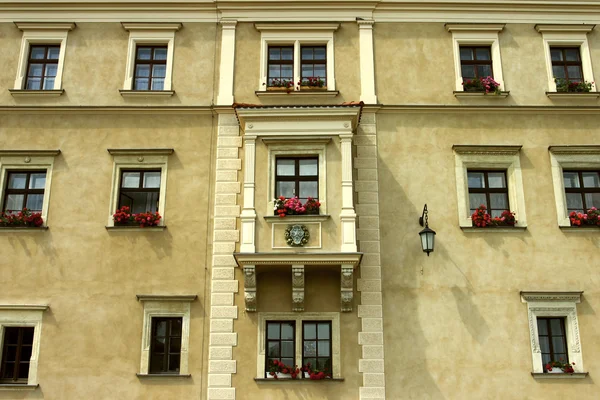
x=224 y=199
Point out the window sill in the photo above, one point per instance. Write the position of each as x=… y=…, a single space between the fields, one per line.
x=164 y=375
x=36 y=93
x=575 y=375
x=297 y=218
x=494 y=229
x=305 y=380
x=136 y=228
x=16 y=386
x=309 y=92
x=146 y=93
x=572 y=95
x=23 y=228
x=481 y=94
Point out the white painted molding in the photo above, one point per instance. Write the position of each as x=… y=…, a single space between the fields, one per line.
x=297 y=27
x=346 y=259
x=166 y=297
x=227 y=63
x=367 y=63
x=151 y=26
x=347 y=215
x=141 y=152
x=48 y=26
x=561 y=28
x=248 y=215
x=474 y=27
x=24 y=307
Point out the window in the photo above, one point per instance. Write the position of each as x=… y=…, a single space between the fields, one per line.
x=489 y=175
x=296 y=339
x=24 y=189
x=297 y=177
x=582 y=190
x=488 y=188
x=316 y=344
x=150 y=57
x=165 y=349
x=476 y=50
x=553 y=328
x=16 y=354
x=140 y=190
x=165 y=334
x=150 y=67
x=567 y=53
x=297 y=52
x=139 y=181
x=42 y=57
x=475 y=62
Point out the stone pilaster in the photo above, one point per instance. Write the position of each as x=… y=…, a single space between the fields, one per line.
x=298 y=287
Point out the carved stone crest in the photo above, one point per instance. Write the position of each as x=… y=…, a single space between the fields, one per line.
x=297 y=235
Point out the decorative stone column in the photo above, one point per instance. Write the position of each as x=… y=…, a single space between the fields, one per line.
x=225 y=96
x=347 y=287
x=298 y=287
x=347 y=216
x=367 y=64
x=248 y=215
x=250 y=287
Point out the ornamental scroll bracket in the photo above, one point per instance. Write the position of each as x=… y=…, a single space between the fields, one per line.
x=347 y=287
x=298 y=287
x=250 y=287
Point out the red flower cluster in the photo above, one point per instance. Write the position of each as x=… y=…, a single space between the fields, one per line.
x=315 y=374
x=592 y=217
x=23 y=218
x=313 y=81
x=293 y=206
x=123 y=217
x=481 y=218
x=566 y=367
x=279 y=367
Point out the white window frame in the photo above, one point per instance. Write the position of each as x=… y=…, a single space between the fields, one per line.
x=489 y=157
x=291 y=149
x=554 y=304
x=23 y=160
x=156 y=306
x=21 y=315
x=149 y=33
x=297 y=35
x=332 y=317
x=567 y=35
x=476 y=35
x=47 y=33
x=138 y=159
x=569 y=157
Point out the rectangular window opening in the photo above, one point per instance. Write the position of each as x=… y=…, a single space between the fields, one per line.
x=553 y=340
x=139 y=190
x=488 y=188
x=316 y=346
x=165 y=345
x=42 y=67
x=16 y=354
x=582 y=190
x=280 y=343
x=476 y=62
x=150 y=67
x=24 y=189
x=297 y=177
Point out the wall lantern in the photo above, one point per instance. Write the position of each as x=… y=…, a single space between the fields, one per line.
x=427 y=235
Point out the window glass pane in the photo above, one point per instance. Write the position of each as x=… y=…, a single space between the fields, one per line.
x=571 y=179
x=131 y=180
x=288 y=361
x=8 y=370
x=17 y=181
x=574 y=201
x=159 y=345
x=151 y=179
x=156 y=363
x=287 y=71
x=158 y=71
x=161 y=327
x=142 y=70
x=592 y=200
x=28 y=335
x=176 y=327
x=273 y=349
x=320 y=53
x=11 y=336
x=496 y=213
x=34 y=83
x=311 y=361
x=174 y=362
x=38 y=52
x=35 y=69
x=558 y=71
x=590 y=179
x=542 y=327
x=323 y=348
x=51 y=70
x=142 y=202
x=558 y=345
x=25 y=354
x=484 y=70
x=285 y=189
x=273 y=331
x=274 y=71
x=158 y=83
x=37 y=181
x=476 y=200
x=466 y=53
x=53 y=53
x=274 y=53
x=14 y=202
x=324 y=364
x=308 y=189
x=48 y=84
x=141 y=84
x=572 y=54
x=287 y=349
x=320 y=71
x=574 y=72
x=310 y=331
x=287 y=53
x=544 y=344
x=476 y=179
x=468 y=71
x=144 y=53
x=286 y=167
x=483 y=54
x=323 y=331
x=11 y=353
x=23 y=370
x=307 y=53
x=499 y=201
x=160 y=54
x=496 y=180
x=34 y=202
x=556 y=54
x=310 y=348
x=307 y=70
x=308 y=167
x=287 y=330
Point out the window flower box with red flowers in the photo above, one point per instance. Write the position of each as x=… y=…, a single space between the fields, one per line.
x=286 y=85
x=584 y=220
x=566 y=85
x=293 y=206
x=312 y=83
x=481 y=218
x=278 y=370
x=22 y=219
x=559 y=367
x=123 y=217
x=487 y=85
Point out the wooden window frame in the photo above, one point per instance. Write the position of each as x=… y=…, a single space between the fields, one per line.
x=167 y=354
x=140 y=188
x=26 y=192
x=15 y=379
x=475 y=62
x=267 y=340
x=330 y=357
x=550 y=336
x=45 y=61
x=313 y=62
x=279 y=62
x=581 y=190
x=297 y=178
x=487 y=190
x=565 y=64
x=151 y=62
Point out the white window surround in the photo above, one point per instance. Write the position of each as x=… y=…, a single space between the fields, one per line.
x=567 y=35
x=480 y=35
x=296 y=35
x=42 y=33
x=141 y=33
x=21 y=315
x=297 y=147
x=166 y=306
x=569 y=157
x=489 y=157
x=138 y=159
x=554 y=304
x=23 y=160
x=334 y=317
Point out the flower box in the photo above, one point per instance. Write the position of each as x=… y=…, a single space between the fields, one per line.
x=481 y=219
x=122 y=217
x=279 y=89
x=313 y=87
x=585 y=220
x=565 y=85
x=278 y=375
x=293 y=206
x=556 y=370
x=23 y=219
x=559 y=367
x=487 y=85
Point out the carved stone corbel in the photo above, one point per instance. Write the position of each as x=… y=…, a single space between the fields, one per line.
x=347 y=286
x=250 y=287
x=298 y=287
